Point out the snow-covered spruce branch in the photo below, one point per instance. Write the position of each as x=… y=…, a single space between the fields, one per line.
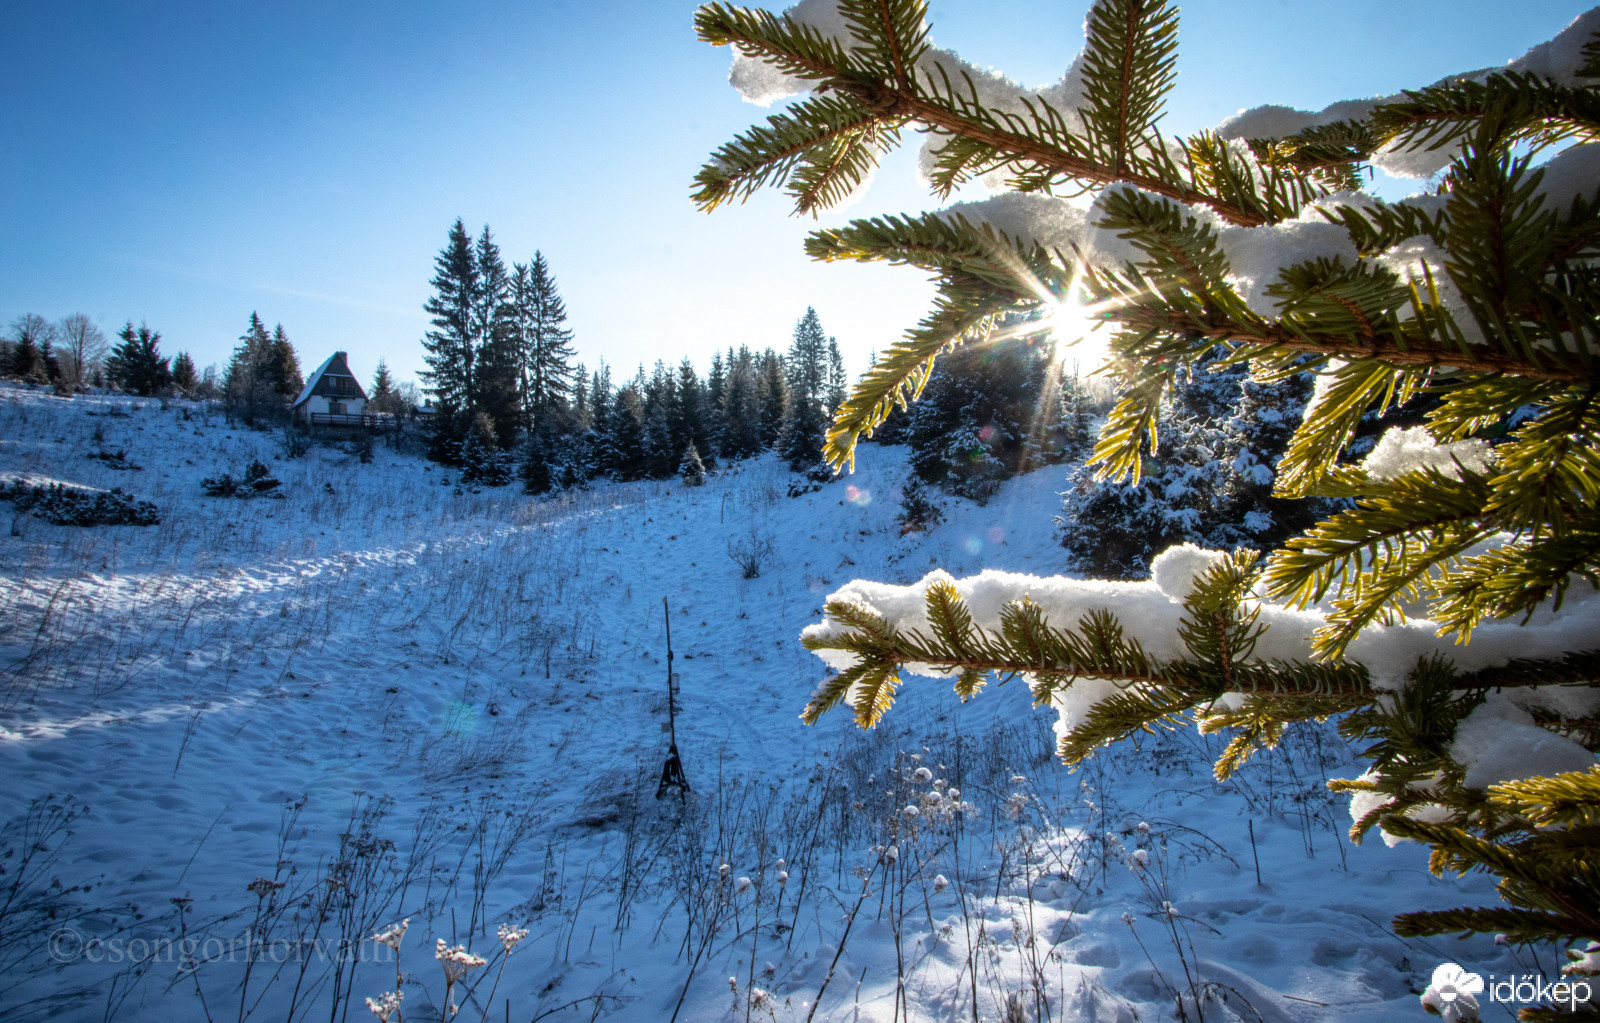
x=1112 y=658
x=834 y=46
x=1276 y=283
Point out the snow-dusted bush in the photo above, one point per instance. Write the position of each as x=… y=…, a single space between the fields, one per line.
x=77 y=506
x=256 y=481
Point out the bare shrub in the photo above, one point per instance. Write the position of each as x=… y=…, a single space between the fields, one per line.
x=752 y=552
x=294 y=442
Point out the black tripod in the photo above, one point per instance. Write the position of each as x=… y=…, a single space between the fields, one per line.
x=672 y=776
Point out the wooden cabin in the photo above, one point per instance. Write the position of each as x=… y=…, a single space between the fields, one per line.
x=331 y=397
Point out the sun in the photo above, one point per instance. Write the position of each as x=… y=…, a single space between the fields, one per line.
x=1081 y=346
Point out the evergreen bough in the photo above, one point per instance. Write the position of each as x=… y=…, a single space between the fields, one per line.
x=1484 y=294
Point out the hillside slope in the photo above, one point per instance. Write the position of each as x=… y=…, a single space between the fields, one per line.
x=278 y=726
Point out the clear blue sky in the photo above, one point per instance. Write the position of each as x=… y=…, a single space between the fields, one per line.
x=187 y=163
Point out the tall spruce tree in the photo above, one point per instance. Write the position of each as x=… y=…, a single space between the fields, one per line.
x=250 y=389
x=544 y=343
x=625 y=442
x=52 y=364
x=493 y=332
x=692 y=422
x=716 y=389
x=1247 y=244
x=284 y=366
x=663 y=446
x=742 y=434
x=601 y=399
x=450 y=347
x=838 y=386
x=805 y=415
x=772 y=397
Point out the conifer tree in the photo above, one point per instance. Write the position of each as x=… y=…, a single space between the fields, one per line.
x=772 y=397
x=383 y=396
x=693 y=423
x=52 y=365
x=251 y=388
x=805 y=416
x=450 y=348
x=1068 y=412
x=716 y=390
x=29 y=334
x=136 y=365
x=184 y=377
x=535 y=468
x=1256 y=436
x=543 y=342
x=662 y=444
x=625 y=444
x=691 y=469
x=482 y=459
x=1251 y=245
x=602 y=401
x=980 y=420
x=493 y=333
x=284 y=366
x=838 y=386
x=741 y=407
x=1115 y=529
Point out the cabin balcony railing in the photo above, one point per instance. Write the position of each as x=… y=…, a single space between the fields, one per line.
x=369 y=420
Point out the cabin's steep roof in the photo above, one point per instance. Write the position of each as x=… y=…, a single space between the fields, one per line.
x=333 y=365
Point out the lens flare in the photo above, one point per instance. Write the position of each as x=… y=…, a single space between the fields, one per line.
x=460 y=719
x=858 y=497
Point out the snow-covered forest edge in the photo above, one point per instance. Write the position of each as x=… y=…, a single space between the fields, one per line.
x=242 y=742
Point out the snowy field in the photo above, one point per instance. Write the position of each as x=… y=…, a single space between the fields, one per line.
x=238 y=744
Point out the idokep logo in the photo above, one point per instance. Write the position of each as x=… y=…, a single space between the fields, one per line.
x=1453 y=992
x=1451 y=982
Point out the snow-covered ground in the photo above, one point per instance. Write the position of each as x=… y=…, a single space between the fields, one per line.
x=274 y=728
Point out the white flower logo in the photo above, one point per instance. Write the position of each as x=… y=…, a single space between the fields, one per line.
x=1451 y=981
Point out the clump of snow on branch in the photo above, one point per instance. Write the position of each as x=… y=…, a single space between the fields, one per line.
x=1420 y=259
x=1561 y=57
x=1364 y=803
x=1271 y=121
x=1499 y=742
x=1257 y=255
x=1405 y=159
x=1177 y=570
x=1406 y=450
x=1558 y=60
x=943 y=71
x=1572 y=175
x=762 y=83
x=1027 y=218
